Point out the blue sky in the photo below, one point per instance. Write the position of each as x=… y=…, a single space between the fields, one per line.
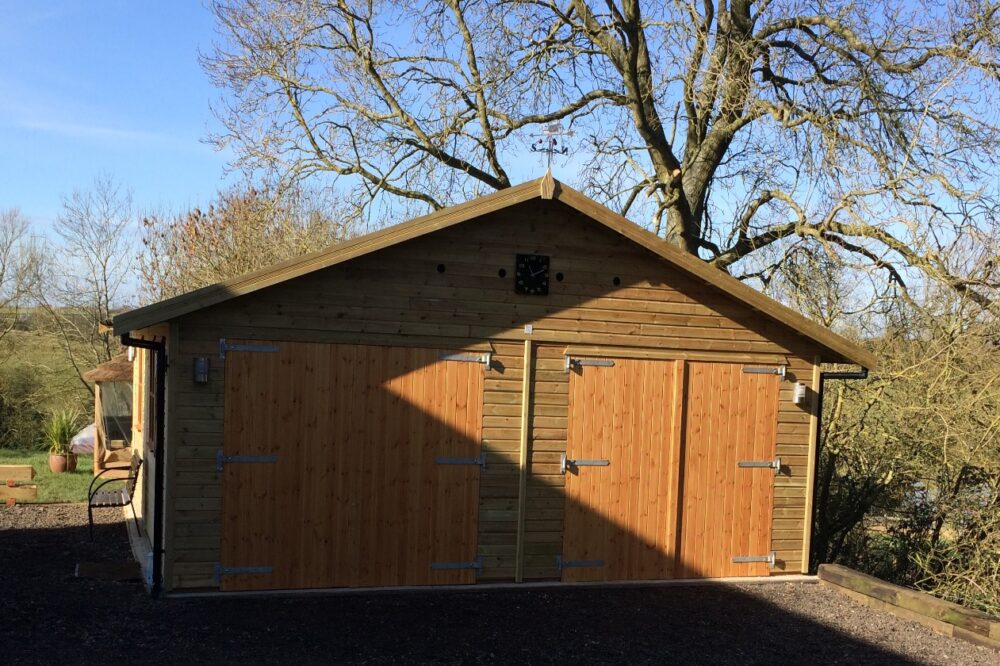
x=105 y=87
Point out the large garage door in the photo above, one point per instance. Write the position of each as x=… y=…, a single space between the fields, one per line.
x=727 y=485
x=620 y=510
x=349 y=465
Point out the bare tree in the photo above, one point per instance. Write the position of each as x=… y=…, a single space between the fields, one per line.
x=740 y=131
x=243 y=230
x=19 y=261
x=89 y=277
x=908 y=486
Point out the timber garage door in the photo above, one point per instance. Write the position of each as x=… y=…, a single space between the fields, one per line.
x=619 y=520
x=349 y=465
x=727 y=481
x=668 y=469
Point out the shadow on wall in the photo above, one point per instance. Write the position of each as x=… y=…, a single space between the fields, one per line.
x=103 y=621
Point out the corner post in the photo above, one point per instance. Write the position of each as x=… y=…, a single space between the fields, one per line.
x=522 y=488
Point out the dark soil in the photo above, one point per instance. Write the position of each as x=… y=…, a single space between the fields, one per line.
x=51 y=616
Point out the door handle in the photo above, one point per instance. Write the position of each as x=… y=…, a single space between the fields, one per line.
x=565 y=463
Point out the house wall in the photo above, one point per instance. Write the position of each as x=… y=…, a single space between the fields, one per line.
x=143 y=425
x=98 y=431
x=139 y=413
x=397 y=296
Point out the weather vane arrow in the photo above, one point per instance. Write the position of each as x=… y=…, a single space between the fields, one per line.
x=549 y=142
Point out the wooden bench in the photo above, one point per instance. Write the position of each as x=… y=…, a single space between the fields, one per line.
x=113 y=497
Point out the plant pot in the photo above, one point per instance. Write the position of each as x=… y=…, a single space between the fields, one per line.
x=58 y=463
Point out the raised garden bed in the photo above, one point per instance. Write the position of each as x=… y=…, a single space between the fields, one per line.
x=942 y=616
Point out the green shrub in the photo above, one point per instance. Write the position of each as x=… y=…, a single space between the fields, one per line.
x=59 y=429
x=20 y=416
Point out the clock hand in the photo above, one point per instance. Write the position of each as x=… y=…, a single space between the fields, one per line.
x=540 y=270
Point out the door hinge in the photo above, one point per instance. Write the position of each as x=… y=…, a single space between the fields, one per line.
x=569 y=463
x=225 y=347
x=475 y=564
x=575 y=564
x=779 y=370
x=445 y=460
x=221 y=459
x=773 y=464
x=769 y=559
x=218 y=571
x=571 y=363
x=486 y=358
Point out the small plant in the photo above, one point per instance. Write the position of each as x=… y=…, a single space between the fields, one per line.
x=59 y=429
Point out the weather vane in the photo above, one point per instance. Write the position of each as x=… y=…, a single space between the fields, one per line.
x=549 y=142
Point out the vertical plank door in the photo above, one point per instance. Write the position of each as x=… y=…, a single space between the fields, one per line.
x=355 y=495
x=730 y=416
x=619 y=523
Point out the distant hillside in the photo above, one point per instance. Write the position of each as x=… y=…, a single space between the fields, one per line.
x=36 y=377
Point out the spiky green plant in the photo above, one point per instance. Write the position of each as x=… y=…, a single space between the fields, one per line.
x=59 y=429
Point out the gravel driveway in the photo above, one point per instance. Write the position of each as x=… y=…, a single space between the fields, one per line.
x=49 y=616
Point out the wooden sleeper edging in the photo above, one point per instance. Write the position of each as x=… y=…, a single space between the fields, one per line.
x=942 y=616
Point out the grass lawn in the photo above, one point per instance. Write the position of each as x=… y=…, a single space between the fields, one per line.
x=68 y=487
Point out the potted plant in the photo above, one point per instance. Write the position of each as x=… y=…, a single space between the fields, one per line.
x=59 y=430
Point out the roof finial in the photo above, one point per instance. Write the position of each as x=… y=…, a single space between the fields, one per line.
x=547 y=186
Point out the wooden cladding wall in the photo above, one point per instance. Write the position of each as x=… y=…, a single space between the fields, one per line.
x=444 y=290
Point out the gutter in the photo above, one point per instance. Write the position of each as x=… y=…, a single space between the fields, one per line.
x=159 y=410
x=823 y=376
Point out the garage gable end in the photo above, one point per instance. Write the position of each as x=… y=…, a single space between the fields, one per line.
x=838 y=349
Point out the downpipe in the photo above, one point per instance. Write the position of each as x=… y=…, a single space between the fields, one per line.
x=160 y=364
x=849 y=375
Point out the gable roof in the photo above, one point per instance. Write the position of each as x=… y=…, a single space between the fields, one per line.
x=541 y=188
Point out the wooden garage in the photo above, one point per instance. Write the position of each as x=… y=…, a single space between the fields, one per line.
x=523 y=387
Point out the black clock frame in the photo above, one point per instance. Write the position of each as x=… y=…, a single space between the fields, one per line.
x=531 y=274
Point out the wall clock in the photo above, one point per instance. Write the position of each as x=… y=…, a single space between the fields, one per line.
x=531 y=274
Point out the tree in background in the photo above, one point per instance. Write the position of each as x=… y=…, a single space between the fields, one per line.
x=909 y=477
x=92 y=273
x=739 y=131
x=20 y=415
x=19 y=269
x=244 y=230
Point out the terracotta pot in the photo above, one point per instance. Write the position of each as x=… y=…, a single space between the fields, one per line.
x=71 y=462
x=57 y=463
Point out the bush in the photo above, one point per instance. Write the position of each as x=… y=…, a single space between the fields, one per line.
x=20 y=417
x=908 y=487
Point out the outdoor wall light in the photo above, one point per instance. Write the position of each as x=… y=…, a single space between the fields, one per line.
x=799 y=393
x=201 y=367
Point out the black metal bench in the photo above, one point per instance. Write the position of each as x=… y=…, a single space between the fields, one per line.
x=112 y=497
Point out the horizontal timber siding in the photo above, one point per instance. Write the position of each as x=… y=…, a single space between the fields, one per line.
x=397 y=297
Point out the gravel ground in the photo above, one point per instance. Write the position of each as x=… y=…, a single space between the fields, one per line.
x=50 y=615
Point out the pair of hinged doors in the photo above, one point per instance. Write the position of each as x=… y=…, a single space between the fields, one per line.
x=349 y=465
x=669 y=469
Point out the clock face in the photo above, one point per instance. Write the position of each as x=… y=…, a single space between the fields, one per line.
x=531 y=274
